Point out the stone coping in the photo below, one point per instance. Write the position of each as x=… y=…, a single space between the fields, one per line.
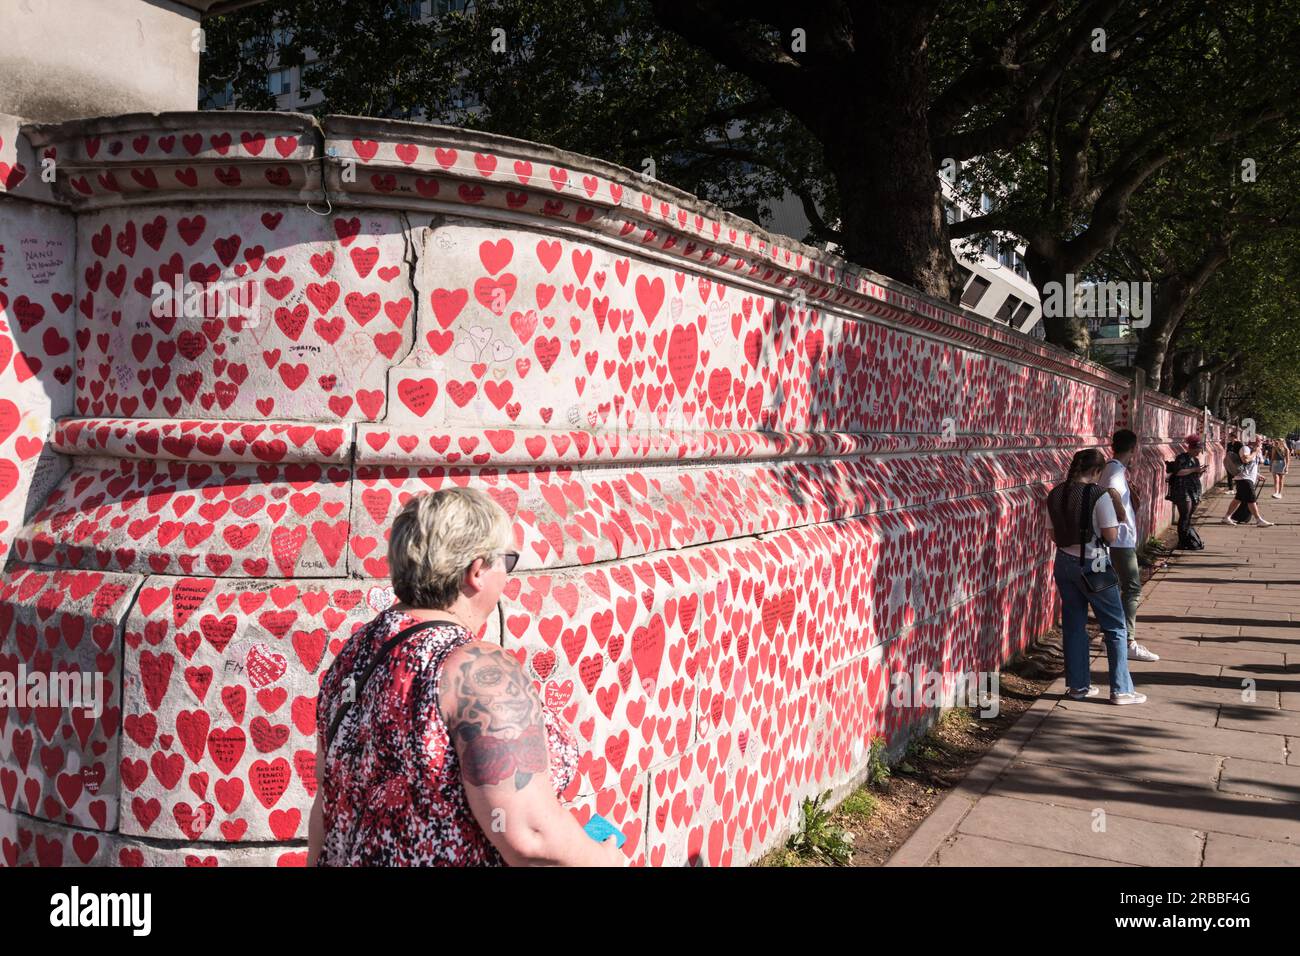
x=382 y=444
x=343 y=161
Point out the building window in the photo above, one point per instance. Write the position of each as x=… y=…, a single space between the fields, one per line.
x=415 y=9
x=219 y=100
x=1021 y=269
x=975 y=291
x=280 y=81
x=1022 y=313
x=1009 y=305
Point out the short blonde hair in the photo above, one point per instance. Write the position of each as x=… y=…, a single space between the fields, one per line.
x=436 y=536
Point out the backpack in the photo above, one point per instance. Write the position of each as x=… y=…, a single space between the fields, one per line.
x=1232 y=463
x=1171 y=476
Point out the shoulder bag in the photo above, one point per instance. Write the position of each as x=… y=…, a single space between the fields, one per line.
x=352 y=689
x=1095 y=581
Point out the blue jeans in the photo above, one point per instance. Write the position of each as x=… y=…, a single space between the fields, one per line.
x=1075 y=600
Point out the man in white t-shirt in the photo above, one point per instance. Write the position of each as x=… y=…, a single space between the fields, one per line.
x=1246 y=479
x=1123 y=553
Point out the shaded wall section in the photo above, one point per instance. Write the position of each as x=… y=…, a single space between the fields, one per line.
x=750 y=484
x=73 y=58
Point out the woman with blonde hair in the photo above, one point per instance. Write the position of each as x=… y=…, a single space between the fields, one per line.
x=1280 y=465
x=434 y=749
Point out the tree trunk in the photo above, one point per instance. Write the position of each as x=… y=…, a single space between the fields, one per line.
x=891 y=217
x=1218 y=388
x=862 y=89
x=877 y=146
x=1050 y=270
x=1153 y=343
x=1173 y=294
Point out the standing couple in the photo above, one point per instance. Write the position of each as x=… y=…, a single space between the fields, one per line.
x=1095 y=529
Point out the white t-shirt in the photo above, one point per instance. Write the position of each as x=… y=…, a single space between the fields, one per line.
x=1103 y=516
x=1115 y=475
x=1249 y=470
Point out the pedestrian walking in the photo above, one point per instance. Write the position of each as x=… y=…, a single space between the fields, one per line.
x=1085 y=519
x=1231 y=463
x=1280 y=464
x=1246 y=479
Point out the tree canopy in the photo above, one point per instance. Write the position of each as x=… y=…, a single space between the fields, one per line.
x=1111 y=133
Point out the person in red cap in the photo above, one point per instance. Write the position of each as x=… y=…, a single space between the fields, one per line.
x=1185 y=491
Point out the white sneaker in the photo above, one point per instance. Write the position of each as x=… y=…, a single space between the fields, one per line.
x=1261 y=523
x=1276 y=495
x=1074 y=694
x=1130 y=698
x=1228 y=520
x=1136 y=652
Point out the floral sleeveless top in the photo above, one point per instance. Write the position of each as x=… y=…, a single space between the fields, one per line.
x=391 y=790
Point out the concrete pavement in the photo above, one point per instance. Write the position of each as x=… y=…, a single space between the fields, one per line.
x=1206 y=773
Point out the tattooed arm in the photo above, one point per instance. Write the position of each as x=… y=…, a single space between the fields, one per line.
x=495 y=720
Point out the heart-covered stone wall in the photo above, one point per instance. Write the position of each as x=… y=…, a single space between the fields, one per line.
x=750 y=483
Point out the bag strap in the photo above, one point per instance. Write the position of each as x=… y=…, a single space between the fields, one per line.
x=352 y=689
x=1085 y=518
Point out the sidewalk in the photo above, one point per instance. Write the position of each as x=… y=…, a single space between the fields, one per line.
x=1197 y=776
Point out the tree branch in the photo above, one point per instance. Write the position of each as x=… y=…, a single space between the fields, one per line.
x=1018 y=121
x=722 y=116
x=982 y=80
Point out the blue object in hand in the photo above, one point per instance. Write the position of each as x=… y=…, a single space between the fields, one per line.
x=600 y=830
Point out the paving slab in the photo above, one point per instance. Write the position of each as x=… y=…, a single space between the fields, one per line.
x=1101 y=749
x=1277 y=782
x=978 y=851
x=1265 y=677
x=1259 y=719
x=1189 y=807
x=1225 y=849
x=1201 y=713
x=1161 y=682
x=1180 y=735
x=1080 y=832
